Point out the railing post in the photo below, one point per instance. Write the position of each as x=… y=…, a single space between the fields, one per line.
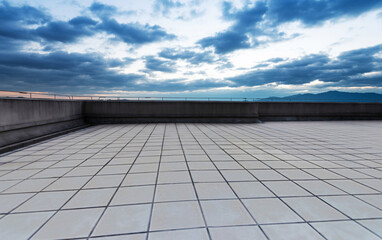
x=30 y=95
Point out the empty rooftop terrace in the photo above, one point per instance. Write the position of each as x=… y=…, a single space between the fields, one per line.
x=276 y=180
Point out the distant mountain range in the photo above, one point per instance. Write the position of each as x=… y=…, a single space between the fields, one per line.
x=331 y=96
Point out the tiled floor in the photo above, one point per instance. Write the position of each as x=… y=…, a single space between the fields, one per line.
x=285 y=180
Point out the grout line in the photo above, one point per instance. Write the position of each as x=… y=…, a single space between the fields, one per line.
x=120 y=184
x=193 y=184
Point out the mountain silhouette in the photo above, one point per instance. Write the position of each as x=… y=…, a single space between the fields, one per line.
x=331 y=96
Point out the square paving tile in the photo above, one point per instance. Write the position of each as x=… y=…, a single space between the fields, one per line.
x=320 y=188
x=251 y=190
x=23 y=225
x=286 y=189
x=139 y=179
x=214 y=191
x=373 y=225
x=174 y=177
x=353 y=207
x=133 y=195
x=69 y=183
x=123 y=219
x=90 y=198
x=175 y=192
x=237 y=233
x=206 y=176
x=46 y=201
x=314 y=209
x=197 y=181
x=375 y=200
x=271 y=210
x=104 y=181
x=176 y=215
x=291 y=231
x=344 y=230
x=226 y=213
x=78 y=223
x=30 y=185
x=189 y=234
x=351 y=187
x=11 y=201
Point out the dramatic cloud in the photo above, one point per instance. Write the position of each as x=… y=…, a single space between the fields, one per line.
x=315 y=12
x=15 y=22
x=67 y=72
x=155 y=64
x=25 y=14
x=102 y=10
x=189 y=46
x=254 y=23
x=349 y=69
x=135 y=33
x=237 y=36
x=188 y=55
x=67 y=32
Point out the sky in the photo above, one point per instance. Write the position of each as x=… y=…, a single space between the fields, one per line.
x=200 y=48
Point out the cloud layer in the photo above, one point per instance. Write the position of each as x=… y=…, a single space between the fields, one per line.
x=42 y=52
x=254 y=22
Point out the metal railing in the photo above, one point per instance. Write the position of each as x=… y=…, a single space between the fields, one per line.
x=54 y=96
x=4 y=94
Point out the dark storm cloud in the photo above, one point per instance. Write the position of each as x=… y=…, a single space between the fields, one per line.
x=62 y=72
x=107 y=11
x=315 y=12
x=261 y=19
x=347 y=70
x=179 y=85
x=226 y=42
x=130 y=33
x=102 y=10
x=135 y=33
x=158 y=65
x=25 y=14
x=192 y=57
x=76 y=73
x=236 y=37
x=16 y=23
x=67 y=32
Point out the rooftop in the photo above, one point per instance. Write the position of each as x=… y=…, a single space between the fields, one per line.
x=275 y=180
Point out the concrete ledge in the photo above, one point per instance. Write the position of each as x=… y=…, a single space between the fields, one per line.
x=25 y=119
x=310 y=111
x=169 y=111
x=20 y=113
x=22 y=134
x=139 y=119
x=40 y=138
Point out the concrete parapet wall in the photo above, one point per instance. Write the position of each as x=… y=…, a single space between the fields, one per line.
x=169 y=111
x=284 y=111
x=22 y=119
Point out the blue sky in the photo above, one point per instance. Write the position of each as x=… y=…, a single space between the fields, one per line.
x=213 y=48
